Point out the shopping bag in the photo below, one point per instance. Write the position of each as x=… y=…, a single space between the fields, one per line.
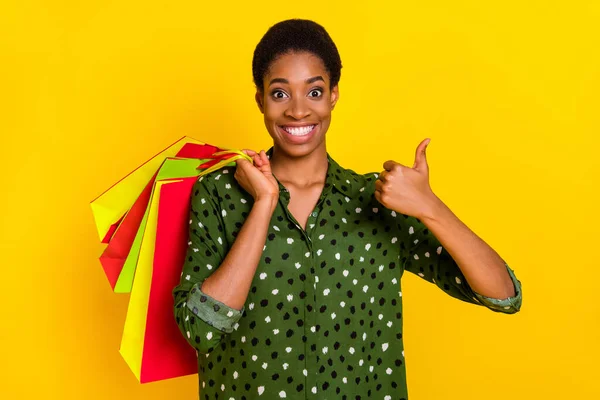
x=166 y=353
x=132 y=341
x=146 y=250
x=152 y=344
x=110 y=207
x=114 y=256
x=171 y=168
x=118 y=260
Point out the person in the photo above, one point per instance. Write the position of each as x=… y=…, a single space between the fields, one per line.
x=292 y=283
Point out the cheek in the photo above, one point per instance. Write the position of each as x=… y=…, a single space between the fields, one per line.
x=324 y=112
x=273 y=111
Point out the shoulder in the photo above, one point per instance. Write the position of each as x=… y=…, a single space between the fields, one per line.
x=218 y=180
x=356 y=183
x=216 y=183
x=224 y=190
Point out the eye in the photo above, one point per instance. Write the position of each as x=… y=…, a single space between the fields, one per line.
x=279 y=94
x=318 y=92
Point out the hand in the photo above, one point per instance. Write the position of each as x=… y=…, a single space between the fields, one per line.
x=406 y=190
x=257 y=179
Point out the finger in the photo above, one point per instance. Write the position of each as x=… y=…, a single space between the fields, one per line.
x=250 y=153
x=257 y=161
x=383 y=176
x=391 y=164
x=266 y=162
x=378 y=185
x=420 y=156
x=242 y=163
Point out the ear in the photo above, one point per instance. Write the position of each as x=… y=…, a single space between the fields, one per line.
x=259 y=101
x=335 y=95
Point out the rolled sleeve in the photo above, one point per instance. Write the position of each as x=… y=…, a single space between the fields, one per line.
x=213 y=312
x=509 y=305
x=425 y=257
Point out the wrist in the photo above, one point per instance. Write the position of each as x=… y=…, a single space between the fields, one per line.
x=434 y=211
x=268 y=202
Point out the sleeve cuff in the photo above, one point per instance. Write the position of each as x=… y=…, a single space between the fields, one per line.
x=509 y=305
x=211 y=311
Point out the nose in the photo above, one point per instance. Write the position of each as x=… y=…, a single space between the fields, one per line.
x=298 y=108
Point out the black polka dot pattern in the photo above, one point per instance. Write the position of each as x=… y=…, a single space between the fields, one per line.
x=323 y=318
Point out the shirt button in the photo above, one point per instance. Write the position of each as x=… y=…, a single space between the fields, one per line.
x=314 y=214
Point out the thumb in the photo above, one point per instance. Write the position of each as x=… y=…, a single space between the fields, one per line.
x=421 y=156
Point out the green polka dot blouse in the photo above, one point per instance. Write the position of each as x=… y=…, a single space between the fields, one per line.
x=323 y=318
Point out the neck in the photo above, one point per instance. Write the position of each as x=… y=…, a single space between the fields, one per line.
x=300 y=171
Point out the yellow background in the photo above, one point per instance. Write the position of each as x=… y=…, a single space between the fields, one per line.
x=508 y=92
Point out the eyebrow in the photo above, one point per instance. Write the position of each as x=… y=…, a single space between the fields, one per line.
x=308 y=81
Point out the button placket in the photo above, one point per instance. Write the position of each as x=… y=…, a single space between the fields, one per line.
x=311 y=358
x=314 y=384
x=310 y=323
x=309 y=266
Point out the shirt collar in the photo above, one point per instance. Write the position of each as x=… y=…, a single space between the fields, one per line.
x=343 y=180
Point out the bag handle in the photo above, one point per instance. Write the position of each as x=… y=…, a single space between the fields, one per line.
x=238 y=155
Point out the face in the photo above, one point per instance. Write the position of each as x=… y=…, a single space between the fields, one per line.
x=296 y=102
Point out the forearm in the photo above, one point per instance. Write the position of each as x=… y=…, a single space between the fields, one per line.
x=231 y=281
x=483 y=268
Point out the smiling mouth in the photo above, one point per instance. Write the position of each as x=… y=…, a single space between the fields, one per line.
x=298 y=130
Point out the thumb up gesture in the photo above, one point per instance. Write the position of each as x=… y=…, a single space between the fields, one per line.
x=406 y=189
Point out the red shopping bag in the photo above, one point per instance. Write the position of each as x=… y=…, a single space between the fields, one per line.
x=166 y=353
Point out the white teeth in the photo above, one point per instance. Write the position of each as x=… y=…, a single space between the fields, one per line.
x=301 y=131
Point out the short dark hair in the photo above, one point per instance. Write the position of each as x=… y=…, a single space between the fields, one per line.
x=296 y=35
